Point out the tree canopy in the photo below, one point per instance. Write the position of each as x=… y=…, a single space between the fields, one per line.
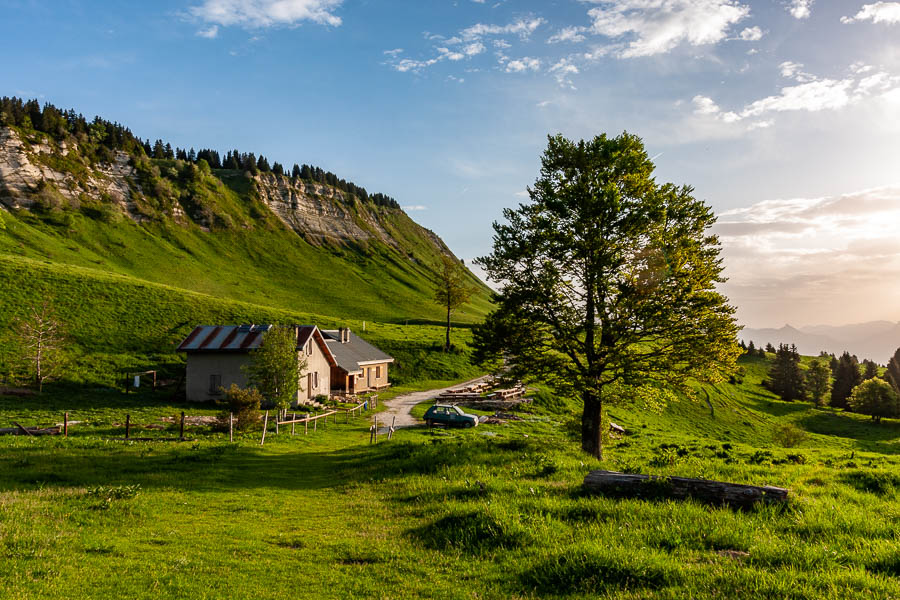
x=608 y=280
x=274 y=368
x=451 y=290
x=876 y=398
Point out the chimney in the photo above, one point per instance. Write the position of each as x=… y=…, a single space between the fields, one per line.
x=345 y=335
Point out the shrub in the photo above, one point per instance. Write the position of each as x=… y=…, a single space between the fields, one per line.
x=244 y=405
x=876 y=398
x=789 y=436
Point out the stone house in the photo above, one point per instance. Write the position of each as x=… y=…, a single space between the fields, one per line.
x=215 y=355
x=360 y=367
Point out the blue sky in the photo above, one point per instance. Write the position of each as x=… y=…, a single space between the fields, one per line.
x=783 y=114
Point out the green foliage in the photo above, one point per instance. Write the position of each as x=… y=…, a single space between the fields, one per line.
x=817 y=381
x=609 y=278
x=785 y=375
x=243 y=405
x=451 y=290
x=892 y=374
x=274 y=368
x=876 y=398
x=788 y=436
x=846 y=378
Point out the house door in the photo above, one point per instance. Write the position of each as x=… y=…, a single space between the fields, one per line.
x=309 y=386
x=371 y=373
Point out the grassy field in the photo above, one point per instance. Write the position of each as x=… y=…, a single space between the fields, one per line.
x=492 y=512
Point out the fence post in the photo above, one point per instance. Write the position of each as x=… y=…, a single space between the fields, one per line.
x=306 y=425
x=265 y=426
x=277 y=418
x=293 y=419
x=66 y=425
x=231 y=427
x=316 y=425
x=182 y=427
x=127 y=425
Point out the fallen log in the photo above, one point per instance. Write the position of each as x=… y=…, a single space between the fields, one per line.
x=735 y=495
x=31 y=431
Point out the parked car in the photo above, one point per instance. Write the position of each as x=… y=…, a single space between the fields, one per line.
x=450 y=416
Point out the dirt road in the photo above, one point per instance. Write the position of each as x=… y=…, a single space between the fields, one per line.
x=399 y=408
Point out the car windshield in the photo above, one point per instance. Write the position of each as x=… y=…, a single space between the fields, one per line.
x=458 y=410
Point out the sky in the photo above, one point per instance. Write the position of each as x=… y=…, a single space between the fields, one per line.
x=784 y=115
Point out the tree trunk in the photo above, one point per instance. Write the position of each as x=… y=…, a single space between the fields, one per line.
x=591 y=428
x=447 y=341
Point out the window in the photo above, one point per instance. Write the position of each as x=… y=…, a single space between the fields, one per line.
x=215 y=382
x=378 y=372
x=309 y=348
x=316 y=380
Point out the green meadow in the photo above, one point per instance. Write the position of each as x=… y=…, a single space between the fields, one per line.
x=491 y=512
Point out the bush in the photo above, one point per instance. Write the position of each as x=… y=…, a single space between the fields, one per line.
x=789 y=436
x=244 y=405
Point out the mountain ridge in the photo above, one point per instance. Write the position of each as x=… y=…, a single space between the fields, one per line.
x=874 y=340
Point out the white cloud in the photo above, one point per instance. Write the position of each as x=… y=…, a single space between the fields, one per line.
x=658 y=26
x=751 y=34
x=415 y=207
x=267 y=13
x=521 y=27
x=879 y=12
x=562 y=71
x=393 y=52
x=473 y=49
x=835 y=258
x=568 y=34
x=800 y=9
x=209 y=33
x=809 y=95
x=526 y=63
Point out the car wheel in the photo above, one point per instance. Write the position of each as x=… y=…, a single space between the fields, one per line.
x=430 y=423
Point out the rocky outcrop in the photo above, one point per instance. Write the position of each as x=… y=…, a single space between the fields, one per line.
x=26 y=167
x=38 y=171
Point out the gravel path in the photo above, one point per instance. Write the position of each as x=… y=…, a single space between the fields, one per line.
x=399 y=408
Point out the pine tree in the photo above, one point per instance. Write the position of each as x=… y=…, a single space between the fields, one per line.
x=892 y=375
x=770 y=348
x=751 y=349
x=262 y=164
x=295 y=172
x=785 y=375
x=278 y=169
x=846 y=378
x=871 y=369
x=817 y=379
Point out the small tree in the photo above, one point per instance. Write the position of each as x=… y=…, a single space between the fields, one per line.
x=818 y=381
x=274 y=368
x=876 y=398
x=244 y=405
x=40 y=338
x=450 y=290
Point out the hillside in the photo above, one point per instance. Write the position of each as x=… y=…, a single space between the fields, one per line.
x=252 y=236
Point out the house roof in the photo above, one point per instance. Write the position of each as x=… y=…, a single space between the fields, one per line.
x=354 y=354
x=244 y=338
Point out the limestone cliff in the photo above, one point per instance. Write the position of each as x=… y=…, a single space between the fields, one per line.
x=37 y=173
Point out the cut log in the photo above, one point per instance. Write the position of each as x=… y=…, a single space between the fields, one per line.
x=736 y=495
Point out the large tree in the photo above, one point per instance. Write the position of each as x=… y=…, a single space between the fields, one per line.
x=451 y=290
x=274 y=368
x=608 y=280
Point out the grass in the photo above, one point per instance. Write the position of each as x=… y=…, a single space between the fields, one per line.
x=495 y=511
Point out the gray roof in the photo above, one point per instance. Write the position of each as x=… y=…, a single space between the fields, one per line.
x=356 y=353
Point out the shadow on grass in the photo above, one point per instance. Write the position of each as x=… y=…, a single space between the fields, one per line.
x=214 y=465
x=869 y=436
